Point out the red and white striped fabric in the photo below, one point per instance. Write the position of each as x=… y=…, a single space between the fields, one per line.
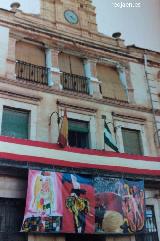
x=41 y=152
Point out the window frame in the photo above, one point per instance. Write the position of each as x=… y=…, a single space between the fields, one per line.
x=79 y=132
x=139 y=138
x=91 y=125
x=151 y=200
x=133 y=126
x=16 y=110
x=32 y=129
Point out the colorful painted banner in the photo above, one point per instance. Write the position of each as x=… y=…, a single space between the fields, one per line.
x=119 y=205
x=44 y=209
x=78 y=204
x=71 y=203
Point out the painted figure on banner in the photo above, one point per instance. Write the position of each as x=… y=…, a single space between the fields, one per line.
x=44 y=209
x=119 y=205
x=79 y=204
x=43 y=193
x=133 y=205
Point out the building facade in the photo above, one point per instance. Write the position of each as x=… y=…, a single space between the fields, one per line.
x=56 y=60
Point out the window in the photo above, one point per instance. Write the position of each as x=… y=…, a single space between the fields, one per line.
x=11 y=217
x=15 y=123
x=111 y=85
x=71 y=64
x=78 y=135
x=32 y=54
x=132 y=141
x=151 y=226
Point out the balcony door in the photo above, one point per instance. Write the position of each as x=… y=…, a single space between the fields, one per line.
x=30 y=53
x=73 y=76
x=71 y=64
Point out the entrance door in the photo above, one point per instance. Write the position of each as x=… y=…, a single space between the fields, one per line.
x=11 y=217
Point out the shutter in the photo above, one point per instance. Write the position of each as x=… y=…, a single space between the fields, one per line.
x=15 y=123
x=71 y=64
x=31 y=53
x=79 y=126
x=111 y=84
x=64 y=63
x=132 y=141
x=76 y=65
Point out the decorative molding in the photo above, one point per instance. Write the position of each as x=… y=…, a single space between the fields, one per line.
x=76 y=107
x=14 y=94
x=106 y=101
x=129 y=117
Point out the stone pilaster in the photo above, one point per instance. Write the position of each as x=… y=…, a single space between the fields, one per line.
x=53 y=64
x=91 y=74
x=11 y=59
x=4 y=32
x=122 y=77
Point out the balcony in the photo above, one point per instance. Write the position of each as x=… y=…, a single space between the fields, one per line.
x=31 y=72
x=75 y=83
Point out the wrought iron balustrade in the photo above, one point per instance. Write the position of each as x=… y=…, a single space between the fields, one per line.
x=75 y=83
x=31 y=72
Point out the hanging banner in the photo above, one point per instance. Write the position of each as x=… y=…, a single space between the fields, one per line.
x=119 y=206
x=71 y=203
x=78 y=204
x=44 y=210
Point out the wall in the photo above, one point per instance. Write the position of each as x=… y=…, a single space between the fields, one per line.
x=139 y=84
x=4 y=39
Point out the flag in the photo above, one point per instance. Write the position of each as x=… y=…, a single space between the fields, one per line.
x=108 y=139
x=63 y=134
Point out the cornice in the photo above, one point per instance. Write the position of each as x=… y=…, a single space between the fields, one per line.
x=19 y=95
x=87 y=109
x=100 y=46
x=129 y=117
x=74 y=95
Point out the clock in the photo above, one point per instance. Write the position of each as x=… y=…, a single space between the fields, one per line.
x=71 y=16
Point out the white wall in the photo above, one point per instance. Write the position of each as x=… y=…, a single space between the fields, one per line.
x=139 y=84
x=4 y=39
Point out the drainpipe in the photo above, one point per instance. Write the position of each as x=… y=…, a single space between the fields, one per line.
x=151 y=101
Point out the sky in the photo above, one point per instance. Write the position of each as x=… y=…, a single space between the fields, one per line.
x=137 y=20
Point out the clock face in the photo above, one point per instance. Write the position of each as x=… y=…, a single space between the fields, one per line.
x=71 y=16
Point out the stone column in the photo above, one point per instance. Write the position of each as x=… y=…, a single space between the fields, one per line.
x=91 y=74
x=53 y=65
x=11 y=59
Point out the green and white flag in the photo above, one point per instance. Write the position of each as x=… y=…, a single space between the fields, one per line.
x=108 y=139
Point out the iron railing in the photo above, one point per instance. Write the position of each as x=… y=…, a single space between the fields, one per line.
x=31 y=72
x=151 y=232
x=75 y=83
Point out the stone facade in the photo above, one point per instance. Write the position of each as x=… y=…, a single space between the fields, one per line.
x=135 y=107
